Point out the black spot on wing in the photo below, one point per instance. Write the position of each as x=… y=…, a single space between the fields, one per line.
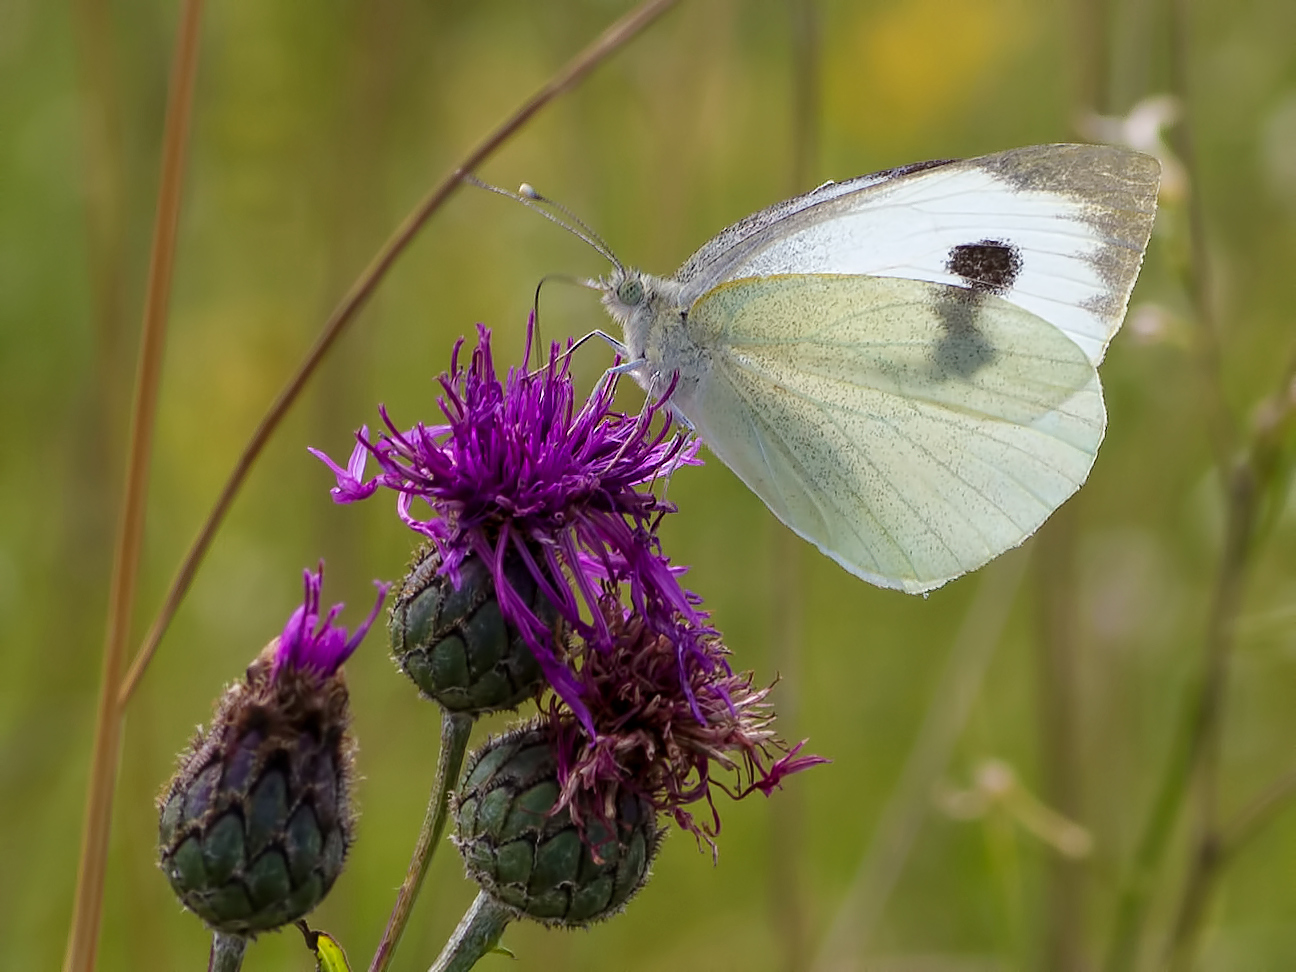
x=990 y=266
x=962 y=349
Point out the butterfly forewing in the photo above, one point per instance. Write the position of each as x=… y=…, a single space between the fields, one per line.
x=1058 y=230
x=911 y=430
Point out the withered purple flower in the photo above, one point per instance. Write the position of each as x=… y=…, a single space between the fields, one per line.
x=664 y=726
x=517 y=470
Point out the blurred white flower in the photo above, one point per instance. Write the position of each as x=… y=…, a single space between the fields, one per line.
x=995 y=786
x=1150 y=323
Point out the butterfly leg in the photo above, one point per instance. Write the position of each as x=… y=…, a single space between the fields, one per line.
x=616 y=345
x=676 y=415
x=617 y=370
x=670 y=471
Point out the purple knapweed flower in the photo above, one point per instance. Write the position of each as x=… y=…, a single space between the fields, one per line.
x=277 y=761
x=518 y=470
x=309 y=642
x=663 y=729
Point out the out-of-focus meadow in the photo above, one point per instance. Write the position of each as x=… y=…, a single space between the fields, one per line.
x=1071 y=662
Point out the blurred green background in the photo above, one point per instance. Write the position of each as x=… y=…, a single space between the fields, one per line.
x=316 y=128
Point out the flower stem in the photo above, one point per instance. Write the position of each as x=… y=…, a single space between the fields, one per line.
x=478 y=933
x=607 y=43
x=226 y=952
x=87 y=908
x=455 y=729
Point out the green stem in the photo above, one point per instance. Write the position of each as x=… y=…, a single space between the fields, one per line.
x=226 y=952
x=478 y=933
x=455 y=729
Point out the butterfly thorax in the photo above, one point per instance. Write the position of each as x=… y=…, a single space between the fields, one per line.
x=653 y=319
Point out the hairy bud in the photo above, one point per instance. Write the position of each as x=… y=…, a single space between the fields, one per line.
x=456 y=645
x=532 y=857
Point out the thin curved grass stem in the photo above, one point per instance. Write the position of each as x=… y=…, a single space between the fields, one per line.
x=87 y=908
x=1252 y=818
x=611 y=40
x=455 y=729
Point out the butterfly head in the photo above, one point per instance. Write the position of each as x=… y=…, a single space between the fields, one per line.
x=624 y=292
x=630 y=298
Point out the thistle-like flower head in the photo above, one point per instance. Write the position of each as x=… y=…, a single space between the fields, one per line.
x=518 y=470
x=255 y=825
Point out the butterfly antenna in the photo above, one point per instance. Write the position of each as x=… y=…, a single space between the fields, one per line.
x=535 y=202
x=529 y=191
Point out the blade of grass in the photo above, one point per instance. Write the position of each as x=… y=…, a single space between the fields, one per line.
x=87 y=908
x=607 y=43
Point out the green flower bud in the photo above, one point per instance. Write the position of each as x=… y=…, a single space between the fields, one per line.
x=256 y=823
x=456 y=645
x=535 y=860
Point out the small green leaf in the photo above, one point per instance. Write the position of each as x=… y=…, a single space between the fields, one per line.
x=501 y=950
x=329 y=956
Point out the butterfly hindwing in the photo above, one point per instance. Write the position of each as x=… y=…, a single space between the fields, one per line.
x=911 y=430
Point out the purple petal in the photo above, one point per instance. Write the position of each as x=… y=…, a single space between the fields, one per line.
x=309 y=642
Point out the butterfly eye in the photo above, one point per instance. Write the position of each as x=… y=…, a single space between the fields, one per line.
x=630 y=292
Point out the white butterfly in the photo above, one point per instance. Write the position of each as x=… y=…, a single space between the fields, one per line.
x=903 y=366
